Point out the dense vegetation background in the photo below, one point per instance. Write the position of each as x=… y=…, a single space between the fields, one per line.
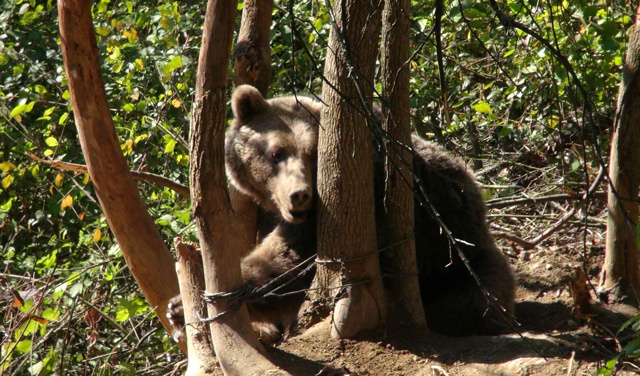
x=72 y=307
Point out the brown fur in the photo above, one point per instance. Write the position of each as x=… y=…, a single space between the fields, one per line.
x=271 y=153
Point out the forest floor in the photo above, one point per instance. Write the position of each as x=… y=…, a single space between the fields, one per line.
x=553 y=337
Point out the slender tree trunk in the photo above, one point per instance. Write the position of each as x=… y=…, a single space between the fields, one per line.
x=191 y=280
x=346 y=218
x=142 y=247
x=398 y=199
x=236 y=346
x=620 y=274
x=252 y=57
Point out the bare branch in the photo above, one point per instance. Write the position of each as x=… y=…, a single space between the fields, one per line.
x=137 y=175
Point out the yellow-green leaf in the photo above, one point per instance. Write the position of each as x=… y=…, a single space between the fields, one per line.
x=6 y=182
x=482 y=107
x=102 y=31
x=51 y=142
x=139 y=64
x=7 y=166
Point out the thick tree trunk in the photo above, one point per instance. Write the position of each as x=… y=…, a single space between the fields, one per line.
x=236 y=346
x=144 y=251
x=191 y=280
x=620 y=275
x=252 y=57
x=398 y=198
x=346 y=218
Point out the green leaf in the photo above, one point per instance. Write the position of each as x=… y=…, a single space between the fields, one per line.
x=165 y=220
x=23 y=108
x=51 y=142
x=63 y=118
x=482 y=107
x=173 y=64
x=24 y=346
x=51 y=314
x=171 y=145
x=6 y=206
x=102 y=31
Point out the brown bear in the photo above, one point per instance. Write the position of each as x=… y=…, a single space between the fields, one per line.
x=271 y=155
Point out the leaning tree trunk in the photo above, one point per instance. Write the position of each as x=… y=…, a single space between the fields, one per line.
x=142 y=247
x=252 y=66
x=396 y=120
x=236 y=346
x=620 y=275
x=347 y=248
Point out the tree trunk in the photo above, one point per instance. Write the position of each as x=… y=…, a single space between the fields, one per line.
x=142 y=247
x=398 y=198
x=620 y=276
x=191 y=280
x=252 y=58
x=236 y=346
x=252 y=55
x=346 y=218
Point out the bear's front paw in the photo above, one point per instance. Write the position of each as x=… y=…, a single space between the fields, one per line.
x=175 y=314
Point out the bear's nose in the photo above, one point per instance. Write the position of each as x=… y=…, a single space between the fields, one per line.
x=300 y=198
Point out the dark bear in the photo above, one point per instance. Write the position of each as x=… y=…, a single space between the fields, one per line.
x=271 y=155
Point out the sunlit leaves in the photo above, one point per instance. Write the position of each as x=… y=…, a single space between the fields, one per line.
x=482 y=107
x=7 y=180
x=21 y=109
x=58 y=180
x=7 y=166
x=67 y=201
x=51 y=142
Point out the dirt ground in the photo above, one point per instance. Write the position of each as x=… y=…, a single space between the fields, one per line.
x=552 y=338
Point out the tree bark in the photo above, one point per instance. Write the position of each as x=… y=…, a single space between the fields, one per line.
x=252 y=57
x=398 y=198
x=620 y=276
x=236 y=346
x=144 y=251
x=191 y=280
x=346 y=218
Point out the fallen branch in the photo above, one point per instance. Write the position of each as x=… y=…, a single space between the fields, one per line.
x=502 y=203
x=505 y=235
x=137 y=175
x=529 y=244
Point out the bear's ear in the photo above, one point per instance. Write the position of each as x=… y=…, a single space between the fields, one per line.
x=247 y=102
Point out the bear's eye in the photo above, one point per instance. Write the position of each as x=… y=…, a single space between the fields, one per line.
x=277 y=155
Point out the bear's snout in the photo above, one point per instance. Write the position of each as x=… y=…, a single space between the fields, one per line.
x=300 y=199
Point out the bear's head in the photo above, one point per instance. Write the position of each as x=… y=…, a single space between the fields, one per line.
x=271 y=151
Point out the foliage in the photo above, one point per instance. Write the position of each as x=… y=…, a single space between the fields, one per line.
x=630 y=351
x=77 y=310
